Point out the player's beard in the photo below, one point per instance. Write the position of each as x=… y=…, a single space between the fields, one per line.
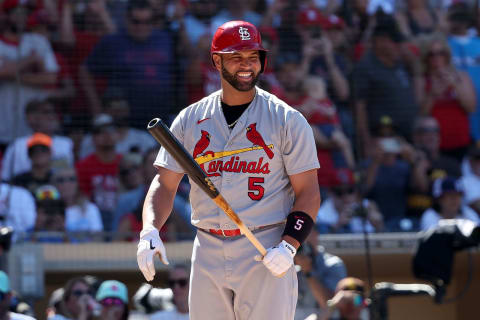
x=237 y=84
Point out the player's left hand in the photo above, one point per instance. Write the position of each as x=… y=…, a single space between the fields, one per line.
x=279 y=258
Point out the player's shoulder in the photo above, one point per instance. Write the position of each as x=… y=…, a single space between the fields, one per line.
x=203 y=105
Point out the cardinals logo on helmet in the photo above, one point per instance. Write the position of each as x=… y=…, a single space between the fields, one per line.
x=256 y=138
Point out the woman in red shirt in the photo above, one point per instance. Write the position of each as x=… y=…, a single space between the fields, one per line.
x=448 y=95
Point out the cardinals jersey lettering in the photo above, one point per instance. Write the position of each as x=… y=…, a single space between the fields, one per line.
x=249 y=164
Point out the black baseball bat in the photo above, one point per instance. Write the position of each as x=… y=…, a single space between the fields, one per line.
x=165 y=137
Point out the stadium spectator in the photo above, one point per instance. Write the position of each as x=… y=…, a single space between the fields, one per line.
x=418 y=18
x=112 y=295
x=178 y=281
x=428 y=164
x=235 y=10
x=98 y=173
x=50 y=220
x=385 y=65
x=448 y=95
x=448 y=193
x=197 y=20
x=466 y=55
x=27 y=65
x=77 y=301
x=129 y=138
x=81 y=215
x=54 y=303
x=471 y=181
x=81 y=27
x=39 y=151
x=17 y=209
x=6 y=294
x=344 y=210
x=349 y=301
x=41 y=118
x=318 y=275
x=388 y=178
x=139 y=60
x=130 y=171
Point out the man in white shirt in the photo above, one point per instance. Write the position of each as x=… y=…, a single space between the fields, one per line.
x=178 y=281
x=471 y=180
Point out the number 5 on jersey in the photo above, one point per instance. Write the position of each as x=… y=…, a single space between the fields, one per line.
x=256 y=190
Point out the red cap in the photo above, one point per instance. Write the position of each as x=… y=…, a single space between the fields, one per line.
x=311 y=17
x=36 y=18
x=334 y=22
x=342 y=177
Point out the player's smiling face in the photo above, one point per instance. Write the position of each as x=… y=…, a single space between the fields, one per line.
x=240 y=69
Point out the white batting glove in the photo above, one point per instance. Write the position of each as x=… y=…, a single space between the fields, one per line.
x=279 y=258
x=148 y=247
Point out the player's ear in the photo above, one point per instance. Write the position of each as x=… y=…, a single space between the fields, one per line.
x=217 y=61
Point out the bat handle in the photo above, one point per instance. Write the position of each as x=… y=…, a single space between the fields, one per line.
x=253 y=239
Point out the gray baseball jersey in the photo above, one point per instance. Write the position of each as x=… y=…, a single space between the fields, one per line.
x=250 y=165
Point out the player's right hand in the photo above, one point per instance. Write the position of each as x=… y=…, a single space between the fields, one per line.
x=148 y=247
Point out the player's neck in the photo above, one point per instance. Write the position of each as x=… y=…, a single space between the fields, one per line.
x=233 y=97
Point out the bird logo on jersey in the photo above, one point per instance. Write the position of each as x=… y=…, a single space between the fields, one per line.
x=256 y=138
x=202 y=144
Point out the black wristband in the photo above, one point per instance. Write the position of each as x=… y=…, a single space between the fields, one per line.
x=299 y=225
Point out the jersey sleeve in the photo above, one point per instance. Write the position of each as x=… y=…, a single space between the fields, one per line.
x=299 y=150
x=165 y=159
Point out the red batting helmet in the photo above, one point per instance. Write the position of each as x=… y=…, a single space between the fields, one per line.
x=236 y=36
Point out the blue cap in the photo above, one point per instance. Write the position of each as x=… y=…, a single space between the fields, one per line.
x=447 y=184
x=112 y=289
x=4 y=282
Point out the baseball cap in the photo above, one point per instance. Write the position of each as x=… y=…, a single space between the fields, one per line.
x=388 y=29
x=311 y=17
x=351 y=284
x=102 y=121
x=4 y=282
x=112 y=289
x=39 y=139
x=334 y=22
x=444 y=185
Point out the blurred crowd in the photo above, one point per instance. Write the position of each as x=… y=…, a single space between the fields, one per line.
x=389 y=88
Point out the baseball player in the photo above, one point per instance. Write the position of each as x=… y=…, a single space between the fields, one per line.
x=260 y=154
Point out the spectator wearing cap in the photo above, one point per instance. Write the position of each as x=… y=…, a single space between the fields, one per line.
x=139 y=60
x=465 y=51
x=54 y=303
x=471 y=181
x=129 y=139
x=98 y=173
x=385 y=64
x=5 y=297
x=428 y=164
x=41 y=118
x=112 y=295
x=447 y=193
x=349 y=301
x=39 y=151
x=197 y=20
x=77 y=301
x=50 y=220
x=82 y=216
x=178 y=281
x=318 y=273
x=27 y=65
x=344 y=210
x=387 y=179
x=448 y=95
x=235 y=10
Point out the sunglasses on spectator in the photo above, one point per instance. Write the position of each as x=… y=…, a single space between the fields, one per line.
x=79 y=293
x=65 y=179
x=181 y=282
x=107 y=302
x=427 y=129
x=140 y=21
x=435 y=53
x=343 y=191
